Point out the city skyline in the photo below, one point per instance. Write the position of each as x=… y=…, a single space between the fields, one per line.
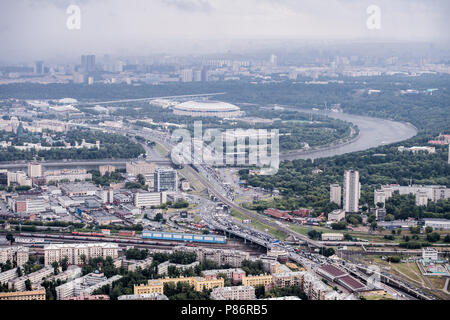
x=143 y=27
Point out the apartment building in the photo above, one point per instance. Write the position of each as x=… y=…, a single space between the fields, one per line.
x=70 y=175
x=35 y=279
x=352 y=191
x=234 y=274
x=234 y=293
x=23 y=295
x=140 y=167
x=75 y=251
x=335 y=194
x=84 y=286
x=314 y=288
x=150 y=296
x=71 y=273
x=220 y=256
x=17 y=254
x=259 y=280
x=157 y=285
x=287 y=279
x=7 y=276
x=163 y=268
x=132 y=265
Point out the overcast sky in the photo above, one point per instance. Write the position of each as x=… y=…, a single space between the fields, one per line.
x=36 y=29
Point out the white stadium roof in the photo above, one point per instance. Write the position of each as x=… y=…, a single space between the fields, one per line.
x=206 y=106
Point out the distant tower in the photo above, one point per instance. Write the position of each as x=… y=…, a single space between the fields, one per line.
x=335 y=194
x=352 y=191
x=273 y=60
x=448 y=161
x=88 y=63
x=39 y=67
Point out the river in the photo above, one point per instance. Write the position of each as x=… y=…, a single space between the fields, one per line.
x=373 y=132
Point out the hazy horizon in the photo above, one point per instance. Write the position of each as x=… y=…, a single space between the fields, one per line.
x=34 y=30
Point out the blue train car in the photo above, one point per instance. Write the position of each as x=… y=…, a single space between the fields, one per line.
x=186 y=237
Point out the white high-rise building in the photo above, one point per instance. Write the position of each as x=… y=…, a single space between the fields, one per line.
x=448 y=154
x=352 y=191
x=34 y=170
x=335 y=194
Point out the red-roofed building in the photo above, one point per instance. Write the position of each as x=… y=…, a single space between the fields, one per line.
x=302 y=212
x=278 y=214
x=331 y=272
x=341 y=277
x=351 y=283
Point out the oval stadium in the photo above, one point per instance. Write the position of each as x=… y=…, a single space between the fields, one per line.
x=207 y=109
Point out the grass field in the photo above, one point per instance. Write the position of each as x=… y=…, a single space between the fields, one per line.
x=375 y=238
x=258 y=225
x=195 y=183
x=161 y=150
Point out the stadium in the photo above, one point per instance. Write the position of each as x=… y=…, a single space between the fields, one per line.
x=207 y=109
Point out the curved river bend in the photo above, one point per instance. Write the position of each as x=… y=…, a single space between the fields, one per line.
x=373 y=132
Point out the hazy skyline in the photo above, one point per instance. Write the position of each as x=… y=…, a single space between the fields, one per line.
x=31 y=30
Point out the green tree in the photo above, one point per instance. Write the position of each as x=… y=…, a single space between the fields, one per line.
x=433 y=237
x=55 y=266
x=28 y=285
x=10 y=237
x=64 y=264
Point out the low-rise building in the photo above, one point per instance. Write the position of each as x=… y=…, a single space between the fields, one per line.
x=150 y=296
x=234 y=293
x=149 y=199
x=157 y=285
x=8 y=275
x=163 y=268
x=31 y=204
x=23 y=295
x=79 y=189
x=90 y=298
x=437 y=224
x=429 y=254
x=332 y=236
x=84 y=286
x=336 y=215
x=35 y=279
x=259 y=280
